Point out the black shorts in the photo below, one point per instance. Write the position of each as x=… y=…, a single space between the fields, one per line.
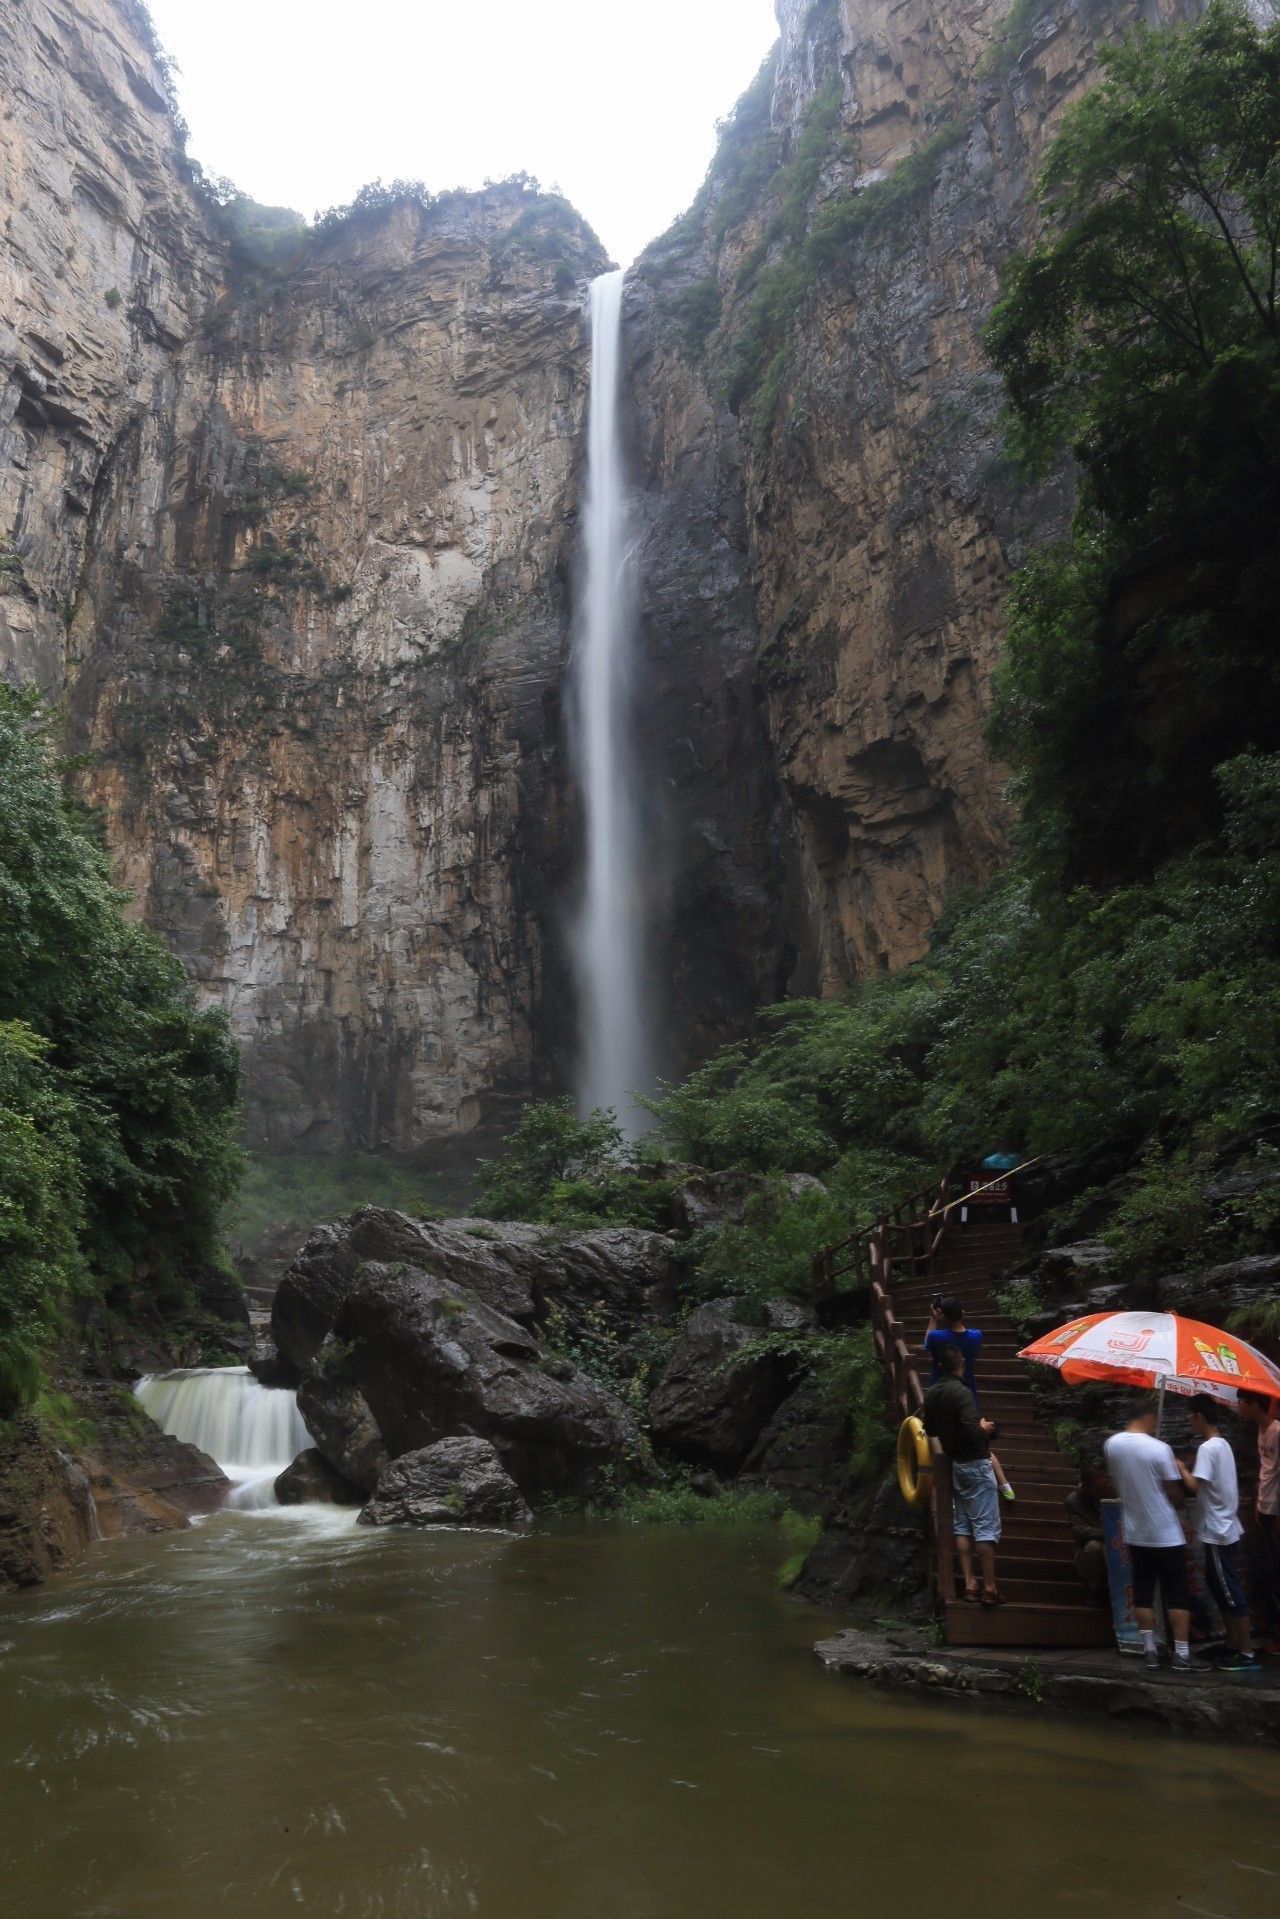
x=1165 y=1566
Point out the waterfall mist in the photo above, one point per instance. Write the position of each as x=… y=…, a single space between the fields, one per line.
x=609 y=933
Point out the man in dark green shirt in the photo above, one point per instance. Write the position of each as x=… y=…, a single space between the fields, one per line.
x=951 y=1417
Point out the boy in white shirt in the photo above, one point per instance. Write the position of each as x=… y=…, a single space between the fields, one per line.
x=1215 y=1487
x=1148 y=1480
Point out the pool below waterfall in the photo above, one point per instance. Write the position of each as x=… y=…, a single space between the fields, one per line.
x=281 y=1712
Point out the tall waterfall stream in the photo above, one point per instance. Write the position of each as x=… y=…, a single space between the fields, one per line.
x=609 y=935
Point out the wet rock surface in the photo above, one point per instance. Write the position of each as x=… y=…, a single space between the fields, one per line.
x=311 y=1480
x=803 y=1451
x=715 y=1398
x=456 y=1482
x=128 y=1477
x=339 y=1419
x=871 y=1546
x=1203 y=1708
x=618 y=1275
x=432 y=1360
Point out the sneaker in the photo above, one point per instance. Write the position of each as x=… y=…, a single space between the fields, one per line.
x=1007 y=1492
x=1241 y=1662
x=1183 y=1662
x=1151 y=1660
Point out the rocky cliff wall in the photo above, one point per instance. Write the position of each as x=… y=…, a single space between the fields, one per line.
x=318 y=656
x=107 y=263
x=824 y=299
x=293 y=531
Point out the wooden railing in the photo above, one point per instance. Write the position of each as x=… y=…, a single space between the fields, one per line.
x=903 y=1245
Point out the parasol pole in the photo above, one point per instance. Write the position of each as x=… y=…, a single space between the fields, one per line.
x=1160 y=1408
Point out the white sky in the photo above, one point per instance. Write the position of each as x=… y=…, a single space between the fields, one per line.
x=301 y=102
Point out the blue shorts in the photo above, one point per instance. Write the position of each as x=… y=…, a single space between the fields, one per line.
x=1222 y=1577
x=975 y=1503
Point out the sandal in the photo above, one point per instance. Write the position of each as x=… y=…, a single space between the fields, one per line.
x=971 y=1596
x=991 y=1600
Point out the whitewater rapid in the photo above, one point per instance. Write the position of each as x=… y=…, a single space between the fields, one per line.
x=252 y=1431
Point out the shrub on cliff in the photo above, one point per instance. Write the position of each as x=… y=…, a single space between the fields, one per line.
x=117 y=1096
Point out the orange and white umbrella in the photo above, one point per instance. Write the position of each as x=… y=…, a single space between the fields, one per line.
x=1156 y=1349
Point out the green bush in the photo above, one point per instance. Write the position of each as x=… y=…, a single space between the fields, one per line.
x=771 y=1254
x=117 y=1097
x=549 y=1151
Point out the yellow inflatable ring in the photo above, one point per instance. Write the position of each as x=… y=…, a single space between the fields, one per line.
x=915 y=1462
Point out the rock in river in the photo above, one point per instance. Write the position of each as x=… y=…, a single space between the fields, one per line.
x=428 y=1359
x=456 y=1482
x=525 y=1272
x=311 y=1480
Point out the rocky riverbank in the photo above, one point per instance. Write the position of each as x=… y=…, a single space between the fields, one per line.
x=1207 y=1706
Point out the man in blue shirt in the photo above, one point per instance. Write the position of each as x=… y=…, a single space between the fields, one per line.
x=947 y=1328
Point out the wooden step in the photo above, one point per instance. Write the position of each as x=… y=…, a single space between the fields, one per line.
x=1046 y=1627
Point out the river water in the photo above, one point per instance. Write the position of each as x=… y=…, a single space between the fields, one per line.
x=277 y=1713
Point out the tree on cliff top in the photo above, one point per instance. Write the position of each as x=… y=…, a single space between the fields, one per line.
x=117 y=1097
x=1143 y=336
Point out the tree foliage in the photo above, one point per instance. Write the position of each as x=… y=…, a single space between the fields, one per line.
x=1143 y=336
x=117 y=1096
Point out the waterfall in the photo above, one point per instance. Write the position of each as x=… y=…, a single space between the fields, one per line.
x=252 y=1431
x=609 y=934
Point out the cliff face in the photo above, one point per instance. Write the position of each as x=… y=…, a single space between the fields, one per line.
x=833 y=280
x=297 y=541
x=318 y=661
x=108 y=261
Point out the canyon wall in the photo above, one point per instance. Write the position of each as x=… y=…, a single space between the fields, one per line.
x=291 y=528
x=855 y=220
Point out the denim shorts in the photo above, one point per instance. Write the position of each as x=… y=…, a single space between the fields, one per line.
x=975 y=1503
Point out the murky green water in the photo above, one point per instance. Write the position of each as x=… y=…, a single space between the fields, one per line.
x=270 y=1715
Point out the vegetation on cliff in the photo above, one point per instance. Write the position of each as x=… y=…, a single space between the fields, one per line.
x=117 y=1096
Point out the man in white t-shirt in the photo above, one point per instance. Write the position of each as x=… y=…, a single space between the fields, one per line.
x=1261 y=1412
x=1148 y=1481
x=1214 y=1485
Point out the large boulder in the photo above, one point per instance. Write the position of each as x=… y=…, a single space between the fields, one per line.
x=430 y=1359
x=312 y=1481
x=715 y=1397
x=456 y=1482
x=338 y=1417
x=803 y=1451
x=612 y=1278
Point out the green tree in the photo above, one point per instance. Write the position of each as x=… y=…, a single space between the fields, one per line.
x=117 y=1096
x=551 y=1147
x=1143 y=336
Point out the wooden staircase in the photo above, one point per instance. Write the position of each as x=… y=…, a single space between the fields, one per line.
x=907 y=1261
x=1046 y=1605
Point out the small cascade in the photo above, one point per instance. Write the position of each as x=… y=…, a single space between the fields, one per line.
x=78 y=1480
x=252 y=1431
